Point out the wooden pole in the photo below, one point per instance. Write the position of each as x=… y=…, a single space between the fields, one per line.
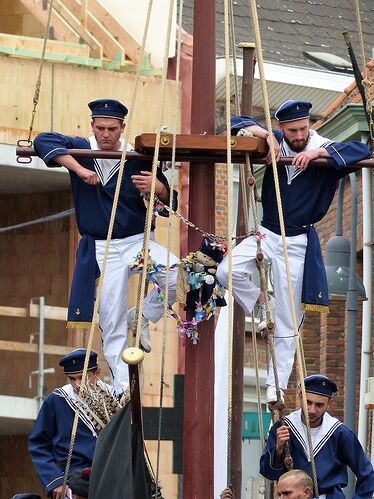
x=239 y=315
x=198 y=449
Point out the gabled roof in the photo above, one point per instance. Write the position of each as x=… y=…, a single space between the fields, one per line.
x=289 y=27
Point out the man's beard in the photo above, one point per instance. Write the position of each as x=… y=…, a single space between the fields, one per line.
x=296 y=146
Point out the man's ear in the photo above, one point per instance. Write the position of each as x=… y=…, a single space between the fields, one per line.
x=308 y=493
x=98 y=371
x=299 y=400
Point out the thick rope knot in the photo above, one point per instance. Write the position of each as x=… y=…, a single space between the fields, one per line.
x=162 y=129
x=243 y=132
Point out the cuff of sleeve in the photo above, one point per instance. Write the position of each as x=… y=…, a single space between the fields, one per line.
x=56 y=482
x=274 y=466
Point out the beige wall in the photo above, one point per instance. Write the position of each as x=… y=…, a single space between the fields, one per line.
x=64 y=95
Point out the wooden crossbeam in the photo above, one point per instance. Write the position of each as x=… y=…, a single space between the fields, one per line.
x=92 y=42
x=50 y=312
x=238 y=156
x=197 y=144
x=13 y=312
x=108 y=21
x=19 y=346
x=61 y=30
x=73 y=20
x=91 y=24
x=30 y=43
x=53 y=57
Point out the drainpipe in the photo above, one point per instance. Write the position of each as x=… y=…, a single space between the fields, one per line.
x=366 y=305
x=41 y=351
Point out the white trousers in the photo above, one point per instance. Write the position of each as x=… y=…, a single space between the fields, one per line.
x=114 y=298
x=246 y=293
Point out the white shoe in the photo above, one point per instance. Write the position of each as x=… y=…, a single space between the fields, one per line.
x=261 y=313
x=145 y=337
x=271 y=395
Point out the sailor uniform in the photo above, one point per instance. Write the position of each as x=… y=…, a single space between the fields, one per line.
x=334 y=448
x=306 y=197
x=50 y=438
x=93 y=205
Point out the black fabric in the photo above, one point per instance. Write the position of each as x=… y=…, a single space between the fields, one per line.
x=118 y=469
x=79 y=484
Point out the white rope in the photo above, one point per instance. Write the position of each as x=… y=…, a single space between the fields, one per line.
x=107 y=245
x=169 y=231
x=229 y=239
x=256 y=29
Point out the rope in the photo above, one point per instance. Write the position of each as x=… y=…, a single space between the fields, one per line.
x=148 y=221
x=244 y=170
x=366 y=79
x=284 y=244
x=106 y=252
x=166 y=300
x=48 y=218
x=229 y=242
x=38 y=83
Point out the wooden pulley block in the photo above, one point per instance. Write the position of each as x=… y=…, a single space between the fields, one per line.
x=259 y=256
x=251 y=181
x=270 y=325
x=133 y=356
x=288 y=462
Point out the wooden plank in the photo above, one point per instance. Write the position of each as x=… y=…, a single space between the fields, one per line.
x=50 y=312
x=125 y=39
x=65 y=13
x=201 y=143
x=62 y=31
x=110 y=46
x=19 y=346
x=52 y=57
x=14 y=312
x=83 y=13
x=36 y=44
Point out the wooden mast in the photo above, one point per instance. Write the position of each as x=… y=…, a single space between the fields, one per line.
x=198 y=436
x=239 y=315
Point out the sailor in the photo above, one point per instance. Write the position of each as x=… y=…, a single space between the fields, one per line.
x=306 y=195
x=93 y=183
x=295 y=484
x=334 y=445
x=50 y=438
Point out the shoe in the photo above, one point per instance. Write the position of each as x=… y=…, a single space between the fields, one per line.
x=261 y=313
x=145 y=337
x=271 y=395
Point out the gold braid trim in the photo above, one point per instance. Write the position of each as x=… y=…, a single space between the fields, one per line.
x=78 y=325
x=309 y=307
